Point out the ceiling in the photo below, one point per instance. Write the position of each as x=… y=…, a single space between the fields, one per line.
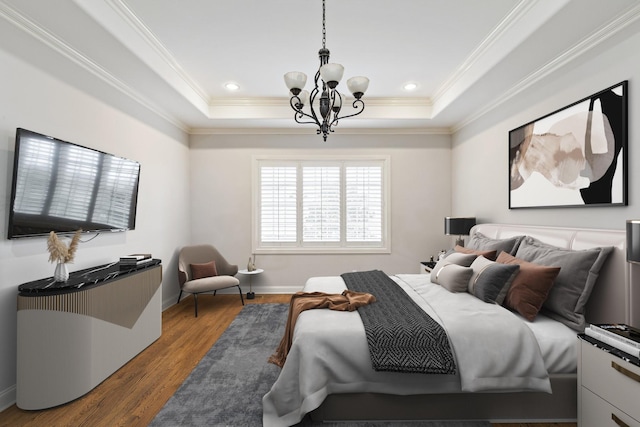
x=173 y=58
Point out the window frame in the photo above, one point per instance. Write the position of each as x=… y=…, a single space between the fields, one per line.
x=299 y=247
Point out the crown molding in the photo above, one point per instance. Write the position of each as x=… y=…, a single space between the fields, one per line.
x=580 y=48
x=309 y=131
x=280 y=101
x=129 y=17
x=50 y=40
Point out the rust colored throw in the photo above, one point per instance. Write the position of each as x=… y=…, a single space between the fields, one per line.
x=301 y=301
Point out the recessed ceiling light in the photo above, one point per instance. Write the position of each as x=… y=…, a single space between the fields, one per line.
x=410 y=86
x=232 y=86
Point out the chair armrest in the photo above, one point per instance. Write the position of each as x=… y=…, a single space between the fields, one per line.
x=182 y=277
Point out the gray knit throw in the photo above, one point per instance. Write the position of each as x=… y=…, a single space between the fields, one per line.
x=401 y=336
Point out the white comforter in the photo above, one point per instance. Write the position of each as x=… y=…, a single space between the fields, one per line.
x=494 y=350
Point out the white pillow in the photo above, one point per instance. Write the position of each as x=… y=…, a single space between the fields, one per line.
x=452 y=277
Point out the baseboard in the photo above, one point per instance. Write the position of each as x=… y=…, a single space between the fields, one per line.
x=7 y=398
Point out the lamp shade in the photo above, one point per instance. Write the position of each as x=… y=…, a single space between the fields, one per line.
x=633 y=240
x=331 y=74
x=358 y=86
x=458 y=226
x=295 y=81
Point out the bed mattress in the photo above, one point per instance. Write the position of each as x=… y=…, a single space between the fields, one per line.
x=340 y=362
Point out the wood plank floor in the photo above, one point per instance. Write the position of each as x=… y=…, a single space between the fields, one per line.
x=133 y=395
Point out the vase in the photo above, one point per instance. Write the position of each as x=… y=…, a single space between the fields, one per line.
x=61 y=274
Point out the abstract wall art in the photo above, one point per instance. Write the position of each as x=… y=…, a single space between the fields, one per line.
x=575 y=156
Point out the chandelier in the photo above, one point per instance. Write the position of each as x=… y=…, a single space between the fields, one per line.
x=325 y=113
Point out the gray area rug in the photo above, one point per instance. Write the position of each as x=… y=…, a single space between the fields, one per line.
x=227 y=386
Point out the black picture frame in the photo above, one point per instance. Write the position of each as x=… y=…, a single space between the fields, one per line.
x=573 y=157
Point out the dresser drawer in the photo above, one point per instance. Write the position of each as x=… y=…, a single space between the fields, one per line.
x=611 y=378
x=598 y=413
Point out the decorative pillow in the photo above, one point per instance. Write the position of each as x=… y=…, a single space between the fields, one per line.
x=461 y=259
x=530 y=287
x=574 y=283
x=452 y=277
x=481 y=242
x=199 y=271
x=490 y=280
x=488 y=254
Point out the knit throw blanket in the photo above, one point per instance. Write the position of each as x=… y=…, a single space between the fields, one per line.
x=401 y=336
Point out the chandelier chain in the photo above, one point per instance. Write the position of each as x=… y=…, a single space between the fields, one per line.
x=324 y=30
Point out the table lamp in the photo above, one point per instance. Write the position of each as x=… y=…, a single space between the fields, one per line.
x=458 y=227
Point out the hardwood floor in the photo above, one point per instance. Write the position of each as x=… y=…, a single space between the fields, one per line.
x=134 y=394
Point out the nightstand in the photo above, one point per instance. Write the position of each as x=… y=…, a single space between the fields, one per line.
x=426 y=267
x=608 y=385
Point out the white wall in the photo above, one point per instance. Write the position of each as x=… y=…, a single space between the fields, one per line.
x=31 y=99
x=221 y=208
x=480 y=150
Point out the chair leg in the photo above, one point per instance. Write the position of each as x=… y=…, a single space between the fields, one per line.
x=179 y=296
x=241 y=298
x=195 y=299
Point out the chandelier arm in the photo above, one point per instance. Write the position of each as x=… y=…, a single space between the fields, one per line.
x=357 y=101
x=299 y=114
x=312 y=98
x=294 y=101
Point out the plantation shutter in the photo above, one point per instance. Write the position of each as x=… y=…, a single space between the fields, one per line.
x=278 y=204
x=321 y=204
x=363 y=203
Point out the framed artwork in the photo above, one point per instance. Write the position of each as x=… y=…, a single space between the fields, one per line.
x=575 y=156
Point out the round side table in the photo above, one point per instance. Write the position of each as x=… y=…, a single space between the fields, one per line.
x=250 y=294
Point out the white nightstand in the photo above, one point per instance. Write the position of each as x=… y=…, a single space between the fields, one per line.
x=425 y=268
x=250 y=294
x=608 y=387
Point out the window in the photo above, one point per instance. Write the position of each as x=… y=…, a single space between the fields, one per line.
x=323 y=205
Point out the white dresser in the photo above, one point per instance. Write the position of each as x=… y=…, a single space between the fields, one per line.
x=608 y=388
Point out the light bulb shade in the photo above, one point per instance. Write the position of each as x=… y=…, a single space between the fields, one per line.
x=331 y=74
x=633 y=241
x=458 y=226
x=358 y=86
x=295 y=81
x=304 y=97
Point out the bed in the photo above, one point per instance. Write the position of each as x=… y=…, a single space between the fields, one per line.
x=328 y=372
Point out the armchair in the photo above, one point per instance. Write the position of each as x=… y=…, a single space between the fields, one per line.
x=201 y=268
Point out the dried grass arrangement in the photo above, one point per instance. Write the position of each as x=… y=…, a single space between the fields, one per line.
x=59 y=251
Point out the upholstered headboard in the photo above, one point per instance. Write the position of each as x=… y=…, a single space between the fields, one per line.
x=612 y=299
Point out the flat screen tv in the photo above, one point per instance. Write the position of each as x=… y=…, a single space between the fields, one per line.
x=60 y=186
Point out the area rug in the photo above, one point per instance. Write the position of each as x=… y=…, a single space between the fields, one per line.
x=227 y=386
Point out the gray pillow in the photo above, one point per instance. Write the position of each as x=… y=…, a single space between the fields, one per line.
x=491 y=280
x=452 y=277
x=481 y=242
x=573 y=285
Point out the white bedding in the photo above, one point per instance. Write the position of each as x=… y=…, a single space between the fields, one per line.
x=330 y=353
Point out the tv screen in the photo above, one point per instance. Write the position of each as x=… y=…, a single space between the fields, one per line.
x=62 y=187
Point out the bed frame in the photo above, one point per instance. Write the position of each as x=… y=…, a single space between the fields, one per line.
x=612 y=300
